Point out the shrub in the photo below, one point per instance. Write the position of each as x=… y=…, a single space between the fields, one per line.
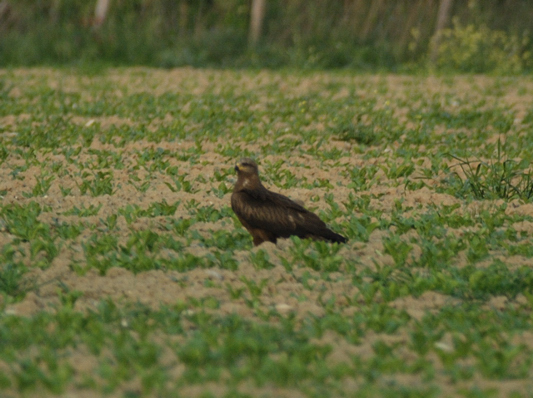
x=481 y=50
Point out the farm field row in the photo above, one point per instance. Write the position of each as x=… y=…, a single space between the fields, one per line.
x=124 y=271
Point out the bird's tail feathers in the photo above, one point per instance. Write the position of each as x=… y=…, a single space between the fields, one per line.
x=328 y=234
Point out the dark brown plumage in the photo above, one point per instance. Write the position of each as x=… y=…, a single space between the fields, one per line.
x=268 y=215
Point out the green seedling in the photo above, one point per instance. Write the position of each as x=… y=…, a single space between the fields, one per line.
x=260 y=260
x=180 y=184
x=100 y=184
x=235 y=293
x=397 y=248
x=140 y=187
x=42 y=185
x=92 y=210
x=11 y=274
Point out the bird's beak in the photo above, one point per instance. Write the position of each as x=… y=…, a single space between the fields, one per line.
x=237 y=169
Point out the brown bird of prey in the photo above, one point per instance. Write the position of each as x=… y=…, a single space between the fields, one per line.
x=268 y=215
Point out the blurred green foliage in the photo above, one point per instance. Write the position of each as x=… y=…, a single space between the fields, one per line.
x=478 y=49
x=488 y=36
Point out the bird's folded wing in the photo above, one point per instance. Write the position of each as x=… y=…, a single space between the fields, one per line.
x=275 y=213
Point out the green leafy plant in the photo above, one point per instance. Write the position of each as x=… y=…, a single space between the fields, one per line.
x=100 y=184
x=260 y=260
x=42 y=185
x=12 y=273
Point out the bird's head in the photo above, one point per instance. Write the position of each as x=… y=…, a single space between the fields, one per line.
x=247 y=175
x=246 y=167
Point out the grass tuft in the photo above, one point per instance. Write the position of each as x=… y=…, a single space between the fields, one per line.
x=501 y=178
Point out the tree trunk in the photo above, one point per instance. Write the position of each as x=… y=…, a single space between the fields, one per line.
x=443 y=18
x=373 y=13
x=100 y=12
x=4 y=8
x=183 y=18
x=256 y=21
x=410 y=22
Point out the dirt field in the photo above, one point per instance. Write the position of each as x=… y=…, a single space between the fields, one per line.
x=293 y=160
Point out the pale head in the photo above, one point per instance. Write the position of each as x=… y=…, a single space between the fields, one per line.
x=246 y=167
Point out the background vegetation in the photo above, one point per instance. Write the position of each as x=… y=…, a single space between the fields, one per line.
x=482 y=36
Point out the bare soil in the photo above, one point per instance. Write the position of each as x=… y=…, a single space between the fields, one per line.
x=283 y=290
